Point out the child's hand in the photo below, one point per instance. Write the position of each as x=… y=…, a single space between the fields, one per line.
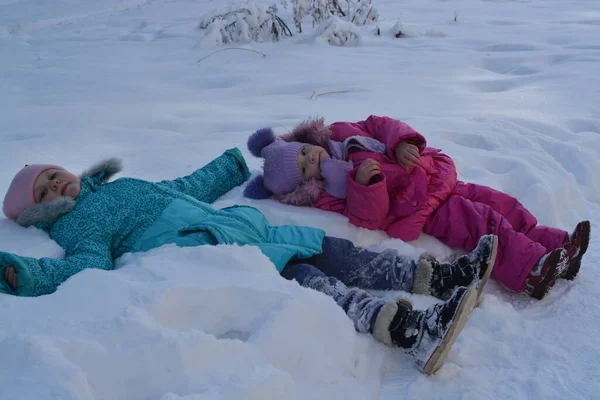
x=10 y=274
x=407 y=155
x=367 y=170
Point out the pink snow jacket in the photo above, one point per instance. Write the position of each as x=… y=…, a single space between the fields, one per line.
x=399 y=202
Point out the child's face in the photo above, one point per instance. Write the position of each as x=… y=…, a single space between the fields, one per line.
x=309 y=161
x=55 y=183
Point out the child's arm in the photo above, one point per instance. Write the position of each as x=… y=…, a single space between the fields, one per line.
x=365 y=205
x=214 y=179
x=36 y=277
x=387 y=130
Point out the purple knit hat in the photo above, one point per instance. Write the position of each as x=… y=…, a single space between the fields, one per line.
x=281 y=174
x=20 y=195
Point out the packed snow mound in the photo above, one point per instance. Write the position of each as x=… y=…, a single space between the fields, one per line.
x=213 y=321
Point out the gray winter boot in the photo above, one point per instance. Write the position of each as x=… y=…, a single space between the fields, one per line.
x=471 y=270
x=429 y=334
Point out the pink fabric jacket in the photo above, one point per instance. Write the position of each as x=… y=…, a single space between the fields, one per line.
x=399 y=202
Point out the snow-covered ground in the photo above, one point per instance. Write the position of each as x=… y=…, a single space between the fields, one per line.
x=510 y=90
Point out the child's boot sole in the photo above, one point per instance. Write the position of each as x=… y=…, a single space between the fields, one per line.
x=460 y=319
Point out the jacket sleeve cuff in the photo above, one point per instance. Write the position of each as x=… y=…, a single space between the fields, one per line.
x=237 y=154
x=369 y=203
x=25 y=281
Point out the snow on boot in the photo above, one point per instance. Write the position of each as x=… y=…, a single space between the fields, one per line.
x=388 y=319
x=543 y=276
x=576 y=245
x=429 y=334
x=470 y=270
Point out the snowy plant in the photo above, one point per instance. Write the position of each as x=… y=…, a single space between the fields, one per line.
x=397 y=30
x=319 y=10
x=340 y=33
x=244 y=23
x=300 y=8
x=359 y=12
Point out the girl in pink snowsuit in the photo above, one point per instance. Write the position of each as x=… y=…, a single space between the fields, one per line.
x=381 y=175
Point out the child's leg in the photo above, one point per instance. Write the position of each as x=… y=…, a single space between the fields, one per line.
x=367 y=312
x=388 y=270
x=356 y=266
x=550 y=238
x=515 y=213
x=427 y=335
x=460 y=222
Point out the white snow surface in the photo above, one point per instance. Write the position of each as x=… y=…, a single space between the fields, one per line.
x=510 y=90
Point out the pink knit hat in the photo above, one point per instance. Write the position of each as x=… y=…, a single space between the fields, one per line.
x=19 y=196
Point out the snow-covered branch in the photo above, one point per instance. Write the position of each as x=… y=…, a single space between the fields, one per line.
x=244 y=23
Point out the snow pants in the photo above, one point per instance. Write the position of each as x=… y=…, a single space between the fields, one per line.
x=341 y=264
x=474 y=210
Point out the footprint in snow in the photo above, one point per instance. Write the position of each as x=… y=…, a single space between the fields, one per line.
x=215 y=311
x=509 y=66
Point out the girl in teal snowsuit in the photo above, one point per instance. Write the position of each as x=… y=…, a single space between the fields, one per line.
x=96 y=221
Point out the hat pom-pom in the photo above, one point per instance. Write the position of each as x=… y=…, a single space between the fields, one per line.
x=255 y=189
x=259 y=140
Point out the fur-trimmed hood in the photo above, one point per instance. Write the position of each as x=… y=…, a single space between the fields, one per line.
x=312 y=131
x=51 y=212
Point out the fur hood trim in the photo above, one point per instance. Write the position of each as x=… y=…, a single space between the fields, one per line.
x=312 y=131
x=53 y=211
x=305 y=193
x=109 y=168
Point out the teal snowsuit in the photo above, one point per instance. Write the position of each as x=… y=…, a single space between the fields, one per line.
x=129 y=215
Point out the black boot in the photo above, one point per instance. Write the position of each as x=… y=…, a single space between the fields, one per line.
x=471 y=270
x=428 y=335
